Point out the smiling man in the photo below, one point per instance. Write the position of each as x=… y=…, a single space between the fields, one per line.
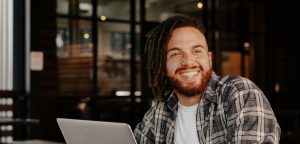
x=193 y=105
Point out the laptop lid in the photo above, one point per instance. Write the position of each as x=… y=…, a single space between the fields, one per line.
x=95 y=132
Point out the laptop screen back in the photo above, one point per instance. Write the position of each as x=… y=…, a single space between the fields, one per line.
x=95 y=132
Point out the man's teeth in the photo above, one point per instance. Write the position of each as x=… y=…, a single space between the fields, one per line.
x=189 y=74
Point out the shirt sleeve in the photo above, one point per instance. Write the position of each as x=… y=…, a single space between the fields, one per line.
x=144 y=130
x=250 y=118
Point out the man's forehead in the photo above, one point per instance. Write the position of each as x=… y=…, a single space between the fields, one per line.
x=180 y=36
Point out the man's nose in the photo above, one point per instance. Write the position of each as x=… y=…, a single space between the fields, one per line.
x=187 y=60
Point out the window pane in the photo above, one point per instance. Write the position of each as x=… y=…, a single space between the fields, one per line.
x=62 y=7
x=114 y=9
x=74 y=52
x=74 y=7
x=159 y=10
x=113 y=58
x=85 y=8
x=137 y=10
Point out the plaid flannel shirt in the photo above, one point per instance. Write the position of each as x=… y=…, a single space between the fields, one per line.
x=232 y=110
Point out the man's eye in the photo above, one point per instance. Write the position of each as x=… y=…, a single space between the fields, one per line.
x=175 y=54
x=198 y=51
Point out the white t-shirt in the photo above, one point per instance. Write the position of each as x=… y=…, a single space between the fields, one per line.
x=185 y=125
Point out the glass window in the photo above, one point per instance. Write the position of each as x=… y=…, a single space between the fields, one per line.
x=74 y=7
x=85 y=8
x=73 y=38
x=62 y=7
x=159 y=10
x=74 y=47
x=114 y=9
x=114 y=59
x=62 y=38
x=74 y=52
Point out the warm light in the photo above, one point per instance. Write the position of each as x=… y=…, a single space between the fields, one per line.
x=127 y=93
x=122 y=93
x=129 y=46
x=86 y=36
x=9 y=128
x=9 y=101
x=59 y=41
x=277 y=87
x=103 y=18
x=217 y=35
x=199 y=5
x=246 y=44
x=82 y=106
x=137 y=93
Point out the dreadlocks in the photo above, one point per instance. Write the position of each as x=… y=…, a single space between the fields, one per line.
x=156 y=50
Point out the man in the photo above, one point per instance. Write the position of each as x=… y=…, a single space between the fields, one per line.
x=193 y=104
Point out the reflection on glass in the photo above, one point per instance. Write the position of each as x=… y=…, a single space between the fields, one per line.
x=159 y=10
x=62 y=7
x=199 y=5
x=74 y=7
x=114 y=9
x=102 y=18
x=75 y=47
x=85 y=8
x=62 y=38
x=114 y=58
x=73 y=38
x=74 y=52
x=86 y=42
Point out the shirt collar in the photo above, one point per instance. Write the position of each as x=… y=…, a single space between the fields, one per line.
x=172 y=101
x=210 y=92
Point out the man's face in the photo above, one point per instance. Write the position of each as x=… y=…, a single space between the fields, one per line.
x=188 y=61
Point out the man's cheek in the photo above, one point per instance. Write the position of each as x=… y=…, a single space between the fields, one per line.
x=171 y=67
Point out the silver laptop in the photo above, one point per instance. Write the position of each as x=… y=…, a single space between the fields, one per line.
x=95 y=132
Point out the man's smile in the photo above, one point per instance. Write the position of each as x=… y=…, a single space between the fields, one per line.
x=189 y=74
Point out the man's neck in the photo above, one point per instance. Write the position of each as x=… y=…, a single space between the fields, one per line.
x=188 y=101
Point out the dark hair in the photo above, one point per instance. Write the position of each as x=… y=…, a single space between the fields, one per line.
x=155 y=52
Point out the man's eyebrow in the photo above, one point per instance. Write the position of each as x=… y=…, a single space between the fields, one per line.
x=172 y=49
x=198 y=45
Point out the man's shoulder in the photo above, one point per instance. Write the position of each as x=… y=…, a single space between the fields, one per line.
x=232 y=87
x=237 y=82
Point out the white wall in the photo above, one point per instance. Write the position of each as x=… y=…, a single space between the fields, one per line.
x=6 y=44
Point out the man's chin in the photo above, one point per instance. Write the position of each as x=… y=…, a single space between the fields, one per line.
x=190 y=86
x=189 y=90
x=189 y=83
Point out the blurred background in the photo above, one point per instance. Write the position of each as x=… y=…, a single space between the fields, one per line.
x=83 y=59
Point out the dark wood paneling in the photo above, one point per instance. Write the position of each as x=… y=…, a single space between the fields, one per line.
x=44 y=83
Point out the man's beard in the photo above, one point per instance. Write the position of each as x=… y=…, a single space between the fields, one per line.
x=189 y=92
